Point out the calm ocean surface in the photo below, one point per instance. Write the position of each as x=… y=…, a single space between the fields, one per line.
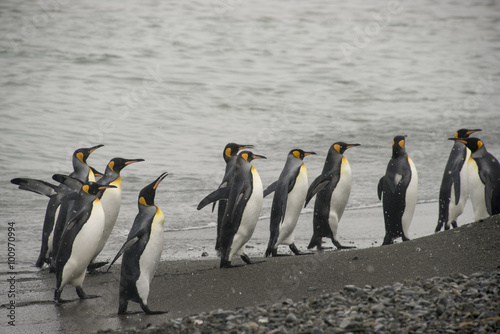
x=172 y=82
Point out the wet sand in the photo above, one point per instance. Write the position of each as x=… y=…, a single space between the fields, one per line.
x=185 y=287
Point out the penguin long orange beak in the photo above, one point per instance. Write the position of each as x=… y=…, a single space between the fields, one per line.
x=133 y=161
x=106 y=187
x=351 y=145
x=256 y=156
x=472 y=131
x=242 y=147
x=159 y=179
x=309 y=153
x=93 y=148
x=459 y=140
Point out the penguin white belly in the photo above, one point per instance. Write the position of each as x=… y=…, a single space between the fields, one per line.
x=83 y=247
x=477 y=191
x=340 y=196
x=294 y=204
x=410 y=199
x=150 y=257
x=249 y=218
x=456 y=210
x=50 y=240
x=111 y=202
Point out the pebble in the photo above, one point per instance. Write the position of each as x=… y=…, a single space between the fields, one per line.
x=454 y=304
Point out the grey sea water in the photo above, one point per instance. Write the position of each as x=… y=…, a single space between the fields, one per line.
x=172 y=82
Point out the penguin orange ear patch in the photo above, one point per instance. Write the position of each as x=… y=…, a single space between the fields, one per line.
x=245 y=156
x=479 y=144
x=337 y=147
x=402 y=143
x=85 y=188
x=111 y=165
x=142 y=201
x=227 y=152
x=296 y=154
x=79 y=156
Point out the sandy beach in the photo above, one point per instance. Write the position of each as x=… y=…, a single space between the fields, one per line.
x=185 y=287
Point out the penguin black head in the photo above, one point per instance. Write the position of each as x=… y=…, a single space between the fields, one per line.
x=147 y=194
x=83 y=153
x=232 y=149
x=93 y=188
x=465 y=133
x=341 y=147
x=300 y=154
x=249 y=156
x=117 y=164
x=398 y=145
x=472 y=143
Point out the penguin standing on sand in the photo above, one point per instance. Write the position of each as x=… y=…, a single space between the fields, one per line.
x=79 y=239
x=332 y=189
x=483 y=174
x=83 y=172
x=454 y=189
x=244 y=195
x=142 y=251
x=289 y=196
x=230 y=152
x=56 y=195
x=111 y=199
x=398 y=192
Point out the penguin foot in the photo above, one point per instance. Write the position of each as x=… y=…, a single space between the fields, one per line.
x=96 y=265
x=454 y=224
x=146 y=310
x=296 y=251
x=247 y=260
x=339 y=246
x=83 y=295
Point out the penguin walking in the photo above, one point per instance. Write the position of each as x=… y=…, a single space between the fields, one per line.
x=332 y=189
x=483 y=174
x=244 y=195
x=454 y=189
x=142 y=251
x=57 y=195
x=289 y=196
x=229 y=154
x=83 y=172
x=398 y=192
x=111 y=200
x=79 y=240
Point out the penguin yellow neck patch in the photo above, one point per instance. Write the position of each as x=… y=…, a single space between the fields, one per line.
x=142 y=201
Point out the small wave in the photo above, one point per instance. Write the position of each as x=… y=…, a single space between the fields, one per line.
x=190 y=228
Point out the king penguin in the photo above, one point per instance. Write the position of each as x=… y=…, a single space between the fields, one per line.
x=56 y=195
x=289 y=196
x=83 y=172
x=79 y=240
x=454 y=189
x=332 y=189
x=244 y=195
x=483 y=174
x=229 y=155
x=398 y=192
x=142 y=251
x=111 y=200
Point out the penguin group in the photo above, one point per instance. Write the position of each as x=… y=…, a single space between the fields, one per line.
x=79 y=219
x=83 y=208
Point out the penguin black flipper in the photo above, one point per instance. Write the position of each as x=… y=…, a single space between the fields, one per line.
x=68 y=181
x=491 y=183
x=36 y=186
x=318 y=184
x=129 y=243
x=271 y=188
x=217 y=195
x=380 y=187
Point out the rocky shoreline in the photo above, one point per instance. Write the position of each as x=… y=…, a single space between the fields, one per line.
x=454 y=304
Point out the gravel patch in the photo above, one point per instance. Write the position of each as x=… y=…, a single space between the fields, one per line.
x=454 y=304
